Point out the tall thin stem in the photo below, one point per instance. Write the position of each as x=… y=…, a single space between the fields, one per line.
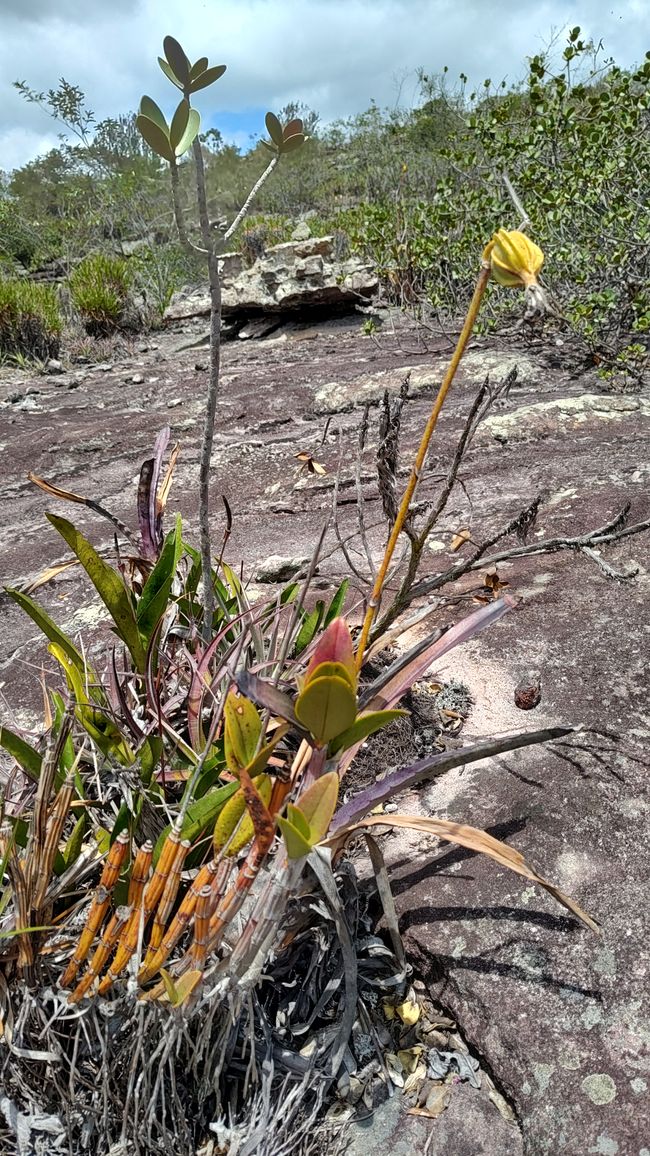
x=418 y=464
x=213 y=391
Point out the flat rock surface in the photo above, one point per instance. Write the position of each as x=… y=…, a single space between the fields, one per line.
x=560 y=1018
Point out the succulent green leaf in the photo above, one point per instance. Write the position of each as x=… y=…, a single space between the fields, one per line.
x=207 y=77
x=234 y=817
x=364 y=726
x=291 y=143
x=179 y=123
x=274 y=128
x=297 y=846
x=150 y=109
x=176 y=59
x=201 y=816
x=271 y=147
x=326 y=707
x=198 y=67
x=335 y=670
x=188 y=137
x=154 y=599
x=109 y=586
x=298 y=820
x=169 y=73
x=292 y=128
x=317 y=805
x=155 y=138
x=243 y=727
x=29 y=759
x=50 y=629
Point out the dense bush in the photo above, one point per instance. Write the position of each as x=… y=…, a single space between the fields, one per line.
x=100 y=288
x=30 y=322
x=578 y=154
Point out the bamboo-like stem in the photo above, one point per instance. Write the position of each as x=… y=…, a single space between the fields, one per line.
x=418 y=464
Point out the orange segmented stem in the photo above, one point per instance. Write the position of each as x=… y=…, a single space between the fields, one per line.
x=179 y=922
x=235 y=896
x=418 y=464
x=115 y=861
x=140 y=874
x=152 y=893
x=94 y=920
x=199 y=948
x=156 y=884
x=102 y=952
x=167 y=899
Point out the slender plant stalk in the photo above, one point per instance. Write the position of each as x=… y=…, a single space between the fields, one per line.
x=418 y=464
x=213 y=391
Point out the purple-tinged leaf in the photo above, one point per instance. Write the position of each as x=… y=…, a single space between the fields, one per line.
x=268 y=696
x=435 y=765
x=410 y=671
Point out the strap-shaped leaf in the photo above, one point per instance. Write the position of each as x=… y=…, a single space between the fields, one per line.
x=169 y=73
x=234 y=823
x=187 y=139
x=336 y=605
x=29 y=759
x=155 y=595
x=207 y=77
x=274 y=128
x=50 y=629
x=151 y=110
x=155 y=138
x=108 y=585
x=176 y=59
x=179 y=123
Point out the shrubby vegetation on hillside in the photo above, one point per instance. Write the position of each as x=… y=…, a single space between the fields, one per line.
x=415 y=190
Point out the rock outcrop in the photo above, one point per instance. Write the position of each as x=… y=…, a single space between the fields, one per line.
x=295 y=275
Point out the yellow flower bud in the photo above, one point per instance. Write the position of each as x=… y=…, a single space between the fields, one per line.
x=514 y=259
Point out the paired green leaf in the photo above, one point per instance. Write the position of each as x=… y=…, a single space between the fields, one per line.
x=243 y=729
x=154 y=113
x=155 y=138
x=207 y=77
x=274 y=128
x=169 y=73
x=307 y=823
x=177 y=59
x=190 y=134
x=179 y=123
x=108 y=585
x=234 y=823
x=326 y=707
x=363 y=726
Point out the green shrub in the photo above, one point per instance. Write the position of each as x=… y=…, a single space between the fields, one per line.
x=30 y=322
x=100 y=290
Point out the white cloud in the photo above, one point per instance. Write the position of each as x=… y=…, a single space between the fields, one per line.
x=333 y=54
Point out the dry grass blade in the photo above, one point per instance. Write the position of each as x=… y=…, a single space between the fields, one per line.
x=475 y=840
x=47 y=575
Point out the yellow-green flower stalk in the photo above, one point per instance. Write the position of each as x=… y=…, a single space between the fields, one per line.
x=512 y=259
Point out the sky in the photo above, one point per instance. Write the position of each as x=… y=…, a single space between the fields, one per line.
x=334 y=55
